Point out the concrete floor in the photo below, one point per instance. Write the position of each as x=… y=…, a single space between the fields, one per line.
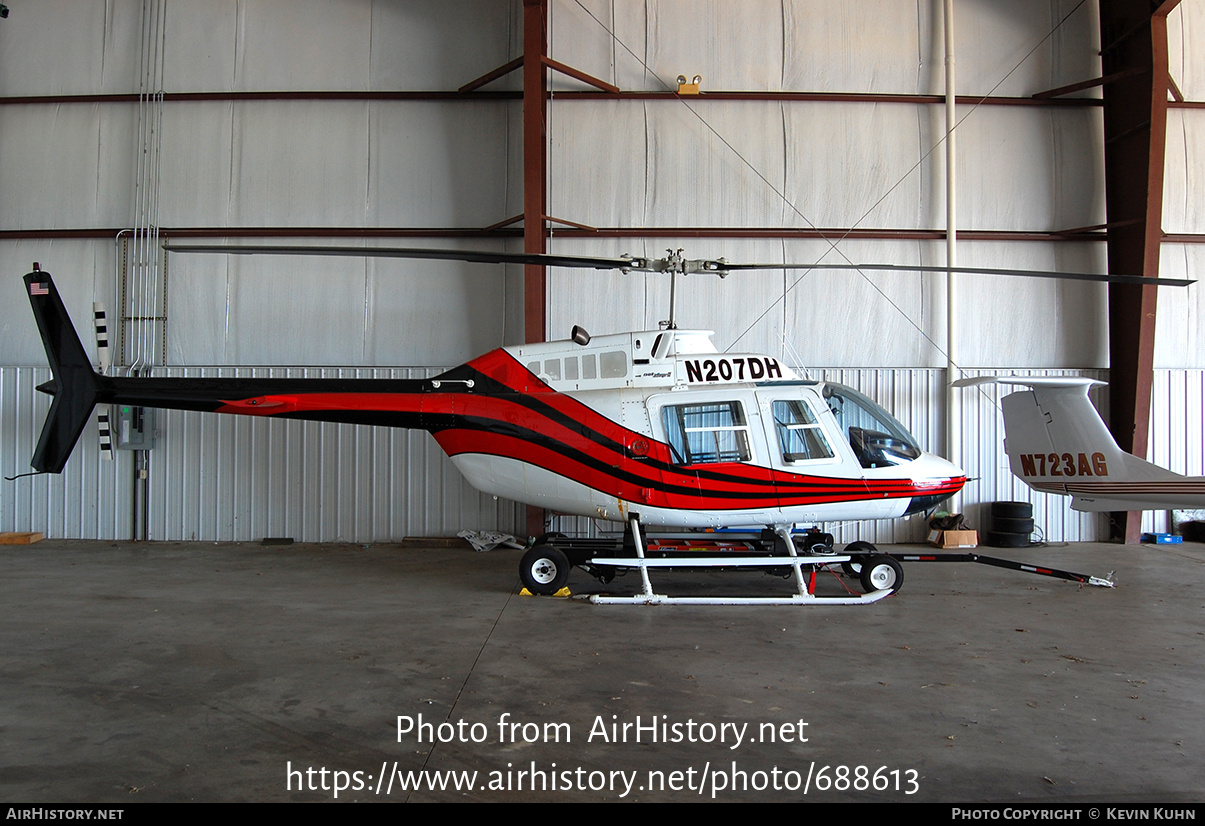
x=173 y=672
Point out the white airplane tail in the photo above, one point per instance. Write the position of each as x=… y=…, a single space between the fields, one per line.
x=1057 y=443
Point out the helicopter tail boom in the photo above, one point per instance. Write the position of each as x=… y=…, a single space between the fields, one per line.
x=77 y=388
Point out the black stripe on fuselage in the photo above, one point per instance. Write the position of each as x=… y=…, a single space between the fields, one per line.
x=536 y=405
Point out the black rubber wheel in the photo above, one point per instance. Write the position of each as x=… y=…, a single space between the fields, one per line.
x=854 y=567
x=1005 y=524
x=1000 y=539
x=882 y=573
x=1012 y=510
x=544 y=570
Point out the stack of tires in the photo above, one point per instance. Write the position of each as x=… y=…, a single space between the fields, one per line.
x=1011 y=524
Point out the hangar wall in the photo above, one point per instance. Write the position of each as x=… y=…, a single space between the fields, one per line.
x=372 y=165
x=864 y=164
x=348 y=164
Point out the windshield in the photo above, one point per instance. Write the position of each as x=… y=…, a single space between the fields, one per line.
x=877 y=438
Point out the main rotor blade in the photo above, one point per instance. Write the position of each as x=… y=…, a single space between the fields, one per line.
x=712 y=266
x=1073 y=276
x=472 y=256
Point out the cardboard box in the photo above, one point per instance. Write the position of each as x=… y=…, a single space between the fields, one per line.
x=954 y=539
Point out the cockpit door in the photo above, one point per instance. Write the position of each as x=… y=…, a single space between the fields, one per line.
x=711 y=434
x=801 y=433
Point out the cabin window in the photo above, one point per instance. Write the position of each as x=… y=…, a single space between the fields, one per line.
x=571 y=368
x=588 y=368
x=800 y=436
x=552 y=367
x=614 y=365
x=707 y=433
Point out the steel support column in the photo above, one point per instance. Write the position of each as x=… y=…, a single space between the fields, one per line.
x=1134 y=55
x=535 y=44
x=535 y=291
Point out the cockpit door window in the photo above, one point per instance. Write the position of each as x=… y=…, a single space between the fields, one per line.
x=800 y=436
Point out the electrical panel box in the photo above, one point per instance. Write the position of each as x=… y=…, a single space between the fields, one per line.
x=135 y=427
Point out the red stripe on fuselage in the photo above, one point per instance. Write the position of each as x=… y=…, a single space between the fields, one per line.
x=684 y=491
x=737 y=486
x=564 y=436
x=327 y=402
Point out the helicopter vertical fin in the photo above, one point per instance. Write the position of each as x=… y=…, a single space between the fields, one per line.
x=76 y=387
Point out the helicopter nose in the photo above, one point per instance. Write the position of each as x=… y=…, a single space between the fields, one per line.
x=930 y=466
x=937 y=480
x=921 y=504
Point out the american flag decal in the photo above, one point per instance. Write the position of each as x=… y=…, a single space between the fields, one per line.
x=36 y=288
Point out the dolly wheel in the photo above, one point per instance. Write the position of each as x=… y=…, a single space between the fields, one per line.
x=882 y=573
x=854 y=566
x=544 y=570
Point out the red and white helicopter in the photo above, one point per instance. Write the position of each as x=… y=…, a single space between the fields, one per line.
x=648 y=428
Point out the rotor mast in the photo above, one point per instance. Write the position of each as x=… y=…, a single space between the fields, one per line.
x=674 y=265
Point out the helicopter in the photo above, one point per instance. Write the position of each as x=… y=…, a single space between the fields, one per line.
x=647 y=428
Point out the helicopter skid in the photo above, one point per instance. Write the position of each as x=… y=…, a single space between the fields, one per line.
x=718 y=561
x=805 y=594
x=796 y=599
x=804 y=597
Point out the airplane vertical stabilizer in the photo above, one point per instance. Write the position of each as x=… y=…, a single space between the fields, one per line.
x=1057 y=442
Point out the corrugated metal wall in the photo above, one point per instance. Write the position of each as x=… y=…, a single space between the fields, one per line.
x=91 y=499
x=614 y=163
x=240 y=478
x=1177 y=432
